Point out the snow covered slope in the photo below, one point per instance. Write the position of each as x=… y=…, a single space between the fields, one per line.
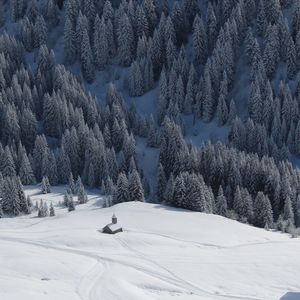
x=163 y=253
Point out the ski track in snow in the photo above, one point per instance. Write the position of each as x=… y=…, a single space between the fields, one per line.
x=201 y=245
x=90 y=282
x=87 y=289
x=186 y=284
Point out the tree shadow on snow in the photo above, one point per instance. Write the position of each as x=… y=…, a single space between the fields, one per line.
x=291 y=296
x=98 y=204
x=171 y=208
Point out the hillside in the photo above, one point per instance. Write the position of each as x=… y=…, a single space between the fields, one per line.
x=163 y=253
x=180 y=116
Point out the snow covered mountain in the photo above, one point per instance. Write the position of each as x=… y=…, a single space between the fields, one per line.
x=191 y=104
x=163 y=253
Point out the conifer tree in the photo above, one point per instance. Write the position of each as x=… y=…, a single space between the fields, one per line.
x=195 y=197
x=32 y=10
x=71 y=204
x=7 y=165
x=72 y=9
x=297 y=139
x=142 y=26
x=101 y=50
x=87 y=64
x=18 y=8
x=163 y=96
x=10 y=125
x=29 y=203
x=211 y=27
x=272 y=8
x=136 y=84
x=250 y=8
x=110 y=38
x=150 y=12
x=82 y=196
x=152 y=135
x=208 y=108
x=263 y=215
x=1 y=184
x=52 y=13
x=46 y=185
x=69 y=42
x=52 y=211
x=122 y=190
x=22 y=198
x=1 y=210
x=221 y=203
x=28 y=125
x=261 y=20
x=179 y=191
x=135 y=188
x=296 y=20
x=78 y=184
x=40 y=148
x=40 y=32
x=242 y=204
x=51 y=172
x=67 y=197
x=255 y=105
x=64 y=164
x=71 y=184
x=169 y=192
x=297 y=212
x=291 y=59
x=49 y=167
x=222 y=110
x=27 y=34
x=271 y=51
x=10 y=197
x=199 y=41
x=89 y=10
x=288 y=213
x=125 y=39
x=50 y=115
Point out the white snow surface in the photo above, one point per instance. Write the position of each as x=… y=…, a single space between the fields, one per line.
x=163 y=253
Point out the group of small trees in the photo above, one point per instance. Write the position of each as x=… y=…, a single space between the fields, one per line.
x=12 y=197
x=128 y=188
x=43 y=210
x=68 y=201
x=74 y=189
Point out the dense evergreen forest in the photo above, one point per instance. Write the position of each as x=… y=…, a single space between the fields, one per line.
x=53 y=129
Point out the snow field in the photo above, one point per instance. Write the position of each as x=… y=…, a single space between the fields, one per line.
x=163 y=253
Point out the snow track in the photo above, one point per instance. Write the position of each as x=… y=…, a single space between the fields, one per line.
x=158 y=259
x=90 y=282
x=174 y=279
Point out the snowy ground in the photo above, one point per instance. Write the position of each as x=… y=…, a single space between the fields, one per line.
x=163 y=253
